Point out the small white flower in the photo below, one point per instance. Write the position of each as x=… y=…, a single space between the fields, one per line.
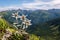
x=28 y=22
x=26 y=26
x=18 y=25
x=23 y=22
x=23 y=17
x=15 y=15
x=15 y=23
x=23 y=26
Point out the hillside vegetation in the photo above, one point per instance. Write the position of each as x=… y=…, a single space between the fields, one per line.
x=4 y=25
x=45 y=24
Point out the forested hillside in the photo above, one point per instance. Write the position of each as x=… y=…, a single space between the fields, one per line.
x=50 y=30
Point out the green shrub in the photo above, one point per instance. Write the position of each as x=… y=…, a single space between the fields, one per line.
x=15 y=36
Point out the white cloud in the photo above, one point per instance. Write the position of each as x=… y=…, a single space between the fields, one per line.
x=10 y=8
x=37 y=4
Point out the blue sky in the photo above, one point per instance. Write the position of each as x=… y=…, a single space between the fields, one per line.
x=29 y=4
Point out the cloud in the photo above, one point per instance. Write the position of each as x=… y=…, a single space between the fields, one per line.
x=10 y=8
x=36 y=4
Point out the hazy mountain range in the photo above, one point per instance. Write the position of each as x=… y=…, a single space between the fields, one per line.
x=36 y=15
x=45 y=23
